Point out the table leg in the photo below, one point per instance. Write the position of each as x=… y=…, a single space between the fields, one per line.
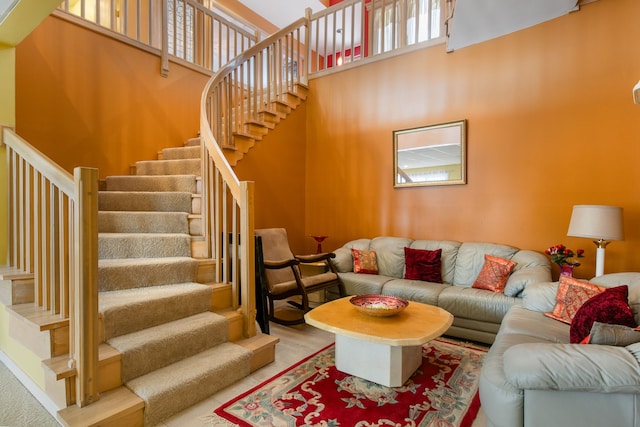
x=383 y=364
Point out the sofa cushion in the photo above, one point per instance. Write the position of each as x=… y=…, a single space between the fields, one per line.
x=521 y=321
x=609 y=306
x=572 y=293
x=470 y=260
x=414 y=290
x=540 y=296
x=423 y=264
x=475 y=303
x=361 y=284
x=494 y=274
x=447 y=258
x=364 y=262
x=390 y=252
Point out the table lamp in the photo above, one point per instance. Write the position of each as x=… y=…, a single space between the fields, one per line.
x=602 y=223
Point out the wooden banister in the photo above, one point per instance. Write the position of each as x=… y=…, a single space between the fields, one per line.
x=53 y=220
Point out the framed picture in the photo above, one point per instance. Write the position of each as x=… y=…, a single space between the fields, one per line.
x=430 y=155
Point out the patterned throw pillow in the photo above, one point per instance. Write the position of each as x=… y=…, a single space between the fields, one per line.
x=364 y=262
x=572 y=293
x=423 y=264
x=494 y=274
x=609 y=306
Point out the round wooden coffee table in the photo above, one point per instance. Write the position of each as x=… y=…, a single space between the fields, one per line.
x=385 y=350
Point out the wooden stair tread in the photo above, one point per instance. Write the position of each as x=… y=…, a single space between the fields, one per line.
x=113 y=406
x=11 y=273
x=59 y=365
x=44 y=320
x=258 y=341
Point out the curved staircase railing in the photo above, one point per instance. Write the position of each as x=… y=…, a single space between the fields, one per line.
x=251 y=93
x=242 y=94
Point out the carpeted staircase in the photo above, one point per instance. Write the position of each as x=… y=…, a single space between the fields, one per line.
x=175 y=351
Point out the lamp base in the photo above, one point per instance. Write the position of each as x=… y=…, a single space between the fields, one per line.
x=599 y=261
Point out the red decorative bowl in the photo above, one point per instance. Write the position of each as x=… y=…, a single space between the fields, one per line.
x=379 y=305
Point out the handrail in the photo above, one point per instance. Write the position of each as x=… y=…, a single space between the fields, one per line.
x=238 y=92
x=53 y=223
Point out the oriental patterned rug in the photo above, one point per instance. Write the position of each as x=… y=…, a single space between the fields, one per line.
x=443 y=392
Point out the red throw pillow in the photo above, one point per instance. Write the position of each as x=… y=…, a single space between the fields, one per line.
x=610 y=306
x=572 y=293
x=423 y=264
x=364 y=262
x=494 y=274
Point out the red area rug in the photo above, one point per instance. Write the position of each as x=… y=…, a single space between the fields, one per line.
x=443 y=392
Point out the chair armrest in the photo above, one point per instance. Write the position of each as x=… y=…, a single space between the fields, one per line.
x=573 y=367
x=274 y=265
x=315 y=257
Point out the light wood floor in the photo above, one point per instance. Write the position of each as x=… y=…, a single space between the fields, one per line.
x=296 y=342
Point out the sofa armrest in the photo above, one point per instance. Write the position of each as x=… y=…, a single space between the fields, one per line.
x=573 y=367
x=343 y=260
x=524 y=277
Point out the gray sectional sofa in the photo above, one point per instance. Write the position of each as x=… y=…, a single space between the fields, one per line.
x=532 y=376
x=477 y=313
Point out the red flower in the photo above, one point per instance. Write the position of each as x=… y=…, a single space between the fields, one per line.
x=562 y=255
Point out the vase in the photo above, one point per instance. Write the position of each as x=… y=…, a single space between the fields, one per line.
x=566 y=270
x=319 y=240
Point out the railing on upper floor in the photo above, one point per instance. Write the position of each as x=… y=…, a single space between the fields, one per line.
x=186 y=30
x=53 y=223
x=357 y=30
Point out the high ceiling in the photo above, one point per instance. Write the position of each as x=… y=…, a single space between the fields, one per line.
x=283 y=12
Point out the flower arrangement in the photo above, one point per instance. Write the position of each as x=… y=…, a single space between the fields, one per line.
x=562 y=255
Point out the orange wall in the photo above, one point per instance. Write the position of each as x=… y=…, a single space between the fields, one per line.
x=551 y=123
x=276 y=165
x=85 y=100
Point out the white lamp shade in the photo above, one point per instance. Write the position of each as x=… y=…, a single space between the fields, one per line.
x=596 y=222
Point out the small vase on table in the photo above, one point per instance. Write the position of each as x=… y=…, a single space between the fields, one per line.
x=319 y=240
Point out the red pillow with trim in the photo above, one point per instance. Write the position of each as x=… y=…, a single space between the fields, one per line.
x=610 y=306
x=364 y=262
x=423 y=264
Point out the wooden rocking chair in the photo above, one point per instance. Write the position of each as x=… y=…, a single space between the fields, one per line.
x=280 y=276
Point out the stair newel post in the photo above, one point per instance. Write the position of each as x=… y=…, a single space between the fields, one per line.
x=83 y=322
x=247 y=247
